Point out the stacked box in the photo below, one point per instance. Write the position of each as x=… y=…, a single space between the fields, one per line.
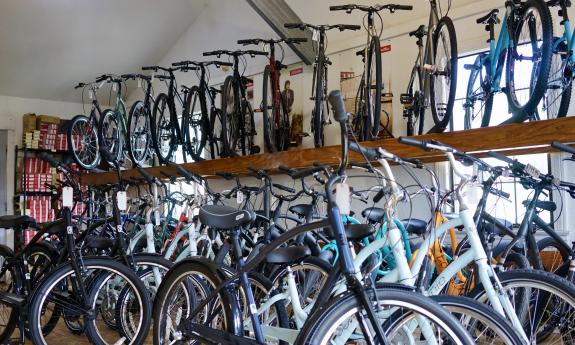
x=28 y=122
x=61 y=142
x=35 y=182
x=48 y=133
x=31 y=139
x=39 y=208
x=35 y=165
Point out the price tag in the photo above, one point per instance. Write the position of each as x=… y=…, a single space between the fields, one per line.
x=68 y=197
x=315 y=35
x=153 y=75
x=139 y=83
x=91 y=94
x=240 y=197
x=122 y=200
x=114 y=86
x=343 y=198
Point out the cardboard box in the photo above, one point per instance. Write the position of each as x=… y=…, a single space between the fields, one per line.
x=29 y=122
x=47 y=119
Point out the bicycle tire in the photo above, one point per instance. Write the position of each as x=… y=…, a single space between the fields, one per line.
x=160 y=123
x=373 y=102
x=521 y=112
x=560 y=79
x=441 y=122
x=230 y=115
x=327 y=317
x=318 y=111
x=249 y=130
x=557 y=261
x=270 y=131
x=11 y=284
x=465 y=308
x=528 y=280
x=416 y=127
x=111 y=143
x=103 y=268
x=195 y=131
x=218 y=142
x=79 y=125
x=470 y=98
x=138 y=133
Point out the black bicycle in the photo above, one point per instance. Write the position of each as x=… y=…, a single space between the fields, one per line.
x=320 y=112
x=237 y=112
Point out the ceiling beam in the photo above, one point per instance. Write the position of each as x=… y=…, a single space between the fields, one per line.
x=276 y=13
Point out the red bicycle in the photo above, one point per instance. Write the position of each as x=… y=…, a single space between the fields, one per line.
x=275 y=106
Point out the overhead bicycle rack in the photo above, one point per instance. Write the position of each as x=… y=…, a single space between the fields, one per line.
x=512 y=139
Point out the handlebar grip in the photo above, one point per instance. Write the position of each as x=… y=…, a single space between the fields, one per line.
x=503 y=158
x=151 y=179
x=246 y=42
x=498 y=192
x=563 y=147
x=181 y=63
x=80 y=85
x=256 y=52
x=226 y=176
x=336 y=101
x=414 y=142
x=186 y=174
x=370 y=154
x=379 y=196
x=284 y=188
x=297 y=40
x=50 y=159
x=149 y=68
x=306 y=172
x=403 y=7
x=285 y=169
x=349 y=27
x=211 y=53
x=221 y=63
x=292 y=25
x=339 y=8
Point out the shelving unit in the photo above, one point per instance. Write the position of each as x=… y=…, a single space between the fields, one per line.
x=512 y=139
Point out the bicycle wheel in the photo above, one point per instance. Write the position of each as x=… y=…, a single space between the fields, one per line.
x=531 y=55
x=270 y=112
x=83 y=141
x=186 y=285
x=163 y=130
x=195 y=131
x=249 y=127
x=318 y=112
x=217 y=146
x=544 y=303
x=443 y=81
x=10 y=282
x=479 y=98
x=552 y=254
x=138 y=133
x=111 y=137
x=555 y=103
x=57 y=292
x=341 y=320
x=230 y=116
x=374 y=85
x=484 y=326
x=417 y=106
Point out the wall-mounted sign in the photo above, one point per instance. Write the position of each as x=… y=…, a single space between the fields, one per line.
x=296 y=71
x=386 y=48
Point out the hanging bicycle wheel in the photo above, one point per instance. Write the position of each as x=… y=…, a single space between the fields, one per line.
x=83 y=141
x=531 y=55
x=111 y=138
x=195 y=130
x=555 y=103
x=373 y=88
x=249 y=130
x=417 y=106
x=443 y=81
x=139 y=133
x=270 y=110
x=163 y=130
x=479 y=98
x=217 y=146
x=318 y=114
x=230 y=114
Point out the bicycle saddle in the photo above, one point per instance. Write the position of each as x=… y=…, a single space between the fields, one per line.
x=419 y=33
x=224 y=217
x=302 y=210
x=542 y=204
x=16 y=222
x=490 y=228
x=414 y=226
x=489 y=18
x=353 y=232
x=286 y=255
x=373 y=214
x=99 y=242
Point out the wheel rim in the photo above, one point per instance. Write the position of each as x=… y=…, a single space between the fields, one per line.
x=475 y=103
x=194 y=127
x=85 y=143
x=164 y=131
x=111 y=135
x=442 y=77
x=558 y=82
x=139 y=135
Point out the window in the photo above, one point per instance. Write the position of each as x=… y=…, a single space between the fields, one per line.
x=512 y=210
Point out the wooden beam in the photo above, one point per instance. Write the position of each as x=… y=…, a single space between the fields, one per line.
x=512 y=139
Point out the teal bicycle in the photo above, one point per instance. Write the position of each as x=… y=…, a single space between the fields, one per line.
x=522 y=48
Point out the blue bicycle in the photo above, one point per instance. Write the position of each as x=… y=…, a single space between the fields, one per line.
x=522 y=48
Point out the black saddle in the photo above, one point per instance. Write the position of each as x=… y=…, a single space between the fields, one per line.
x=224 y=217
x=543 y=204
x=286 y=255
x=373 y=214
x=419 y=33
x=54 y=228
x=99 y=242
x=414 y=226
x=16 y=222
x=489 y=18
x=353 y=232
x=302 y=210
x=490 y=228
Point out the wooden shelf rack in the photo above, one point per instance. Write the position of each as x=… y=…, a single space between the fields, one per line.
x=512 y=139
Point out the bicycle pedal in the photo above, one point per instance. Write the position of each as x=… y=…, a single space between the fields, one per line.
x=406 y=99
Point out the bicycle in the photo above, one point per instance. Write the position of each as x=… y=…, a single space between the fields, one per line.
x=521 y=48
x=275 y=111
x=237 y=113
x=433 y=79
x=368 y=106
x=209 y=125
x=170 y=128
x=320 y=113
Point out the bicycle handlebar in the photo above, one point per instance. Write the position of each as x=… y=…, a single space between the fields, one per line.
x=351 y=7
x=340 y=27
x=563 y=147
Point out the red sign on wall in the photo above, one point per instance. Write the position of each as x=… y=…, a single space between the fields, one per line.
x=386 y=48
x=296 y=71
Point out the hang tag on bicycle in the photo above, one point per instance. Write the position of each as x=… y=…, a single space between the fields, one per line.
x=266 y=48
x=68 y=197
x=114 y=87
x=343 y=198
x=122 y=200
x=239 y=197
x=139 y=81
x=532 y=171
x=91 y=94
x=315 y=35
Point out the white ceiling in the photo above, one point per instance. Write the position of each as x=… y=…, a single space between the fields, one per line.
x=46 y=47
